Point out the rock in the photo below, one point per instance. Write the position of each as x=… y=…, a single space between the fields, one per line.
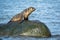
x=26 y=28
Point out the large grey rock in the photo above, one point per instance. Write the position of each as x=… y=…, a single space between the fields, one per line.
x=26 y=28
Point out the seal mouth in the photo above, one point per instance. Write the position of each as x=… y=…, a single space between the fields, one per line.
x=33 y=8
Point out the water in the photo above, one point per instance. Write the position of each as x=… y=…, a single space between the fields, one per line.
x=47 y=11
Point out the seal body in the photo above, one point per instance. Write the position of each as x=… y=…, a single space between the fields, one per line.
x=23 y=15
x=17 y=18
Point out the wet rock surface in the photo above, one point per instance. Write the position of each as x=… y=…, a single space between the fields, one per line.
x=26 y=28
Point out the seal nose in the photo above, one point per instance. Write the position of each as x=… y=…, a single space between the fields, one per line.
x=34 y=9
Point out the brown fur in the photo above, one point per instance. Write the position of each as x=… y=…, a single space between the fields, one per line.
x=23 y=15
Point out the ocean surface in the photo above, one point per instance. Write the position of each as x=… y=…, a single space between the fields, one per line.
x=47 y=11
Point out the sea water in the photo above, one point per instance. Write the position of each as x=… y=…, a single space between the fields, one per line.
x=47 y=11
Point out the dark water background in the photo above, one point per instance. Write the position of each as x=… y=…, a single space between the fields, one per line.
x=47 y=11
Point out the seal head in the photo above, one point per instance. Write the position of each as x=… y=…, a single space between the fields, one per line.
x=28 y=11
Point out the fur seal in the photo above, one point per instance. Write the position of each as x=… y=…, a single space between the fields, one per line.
x=23 y=15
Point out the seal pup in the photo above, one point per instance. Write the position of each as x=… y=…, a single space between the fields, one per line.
x=23 y=15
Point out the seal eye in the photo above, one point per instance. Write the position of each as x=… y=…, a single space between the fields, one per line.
x=31 y=8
